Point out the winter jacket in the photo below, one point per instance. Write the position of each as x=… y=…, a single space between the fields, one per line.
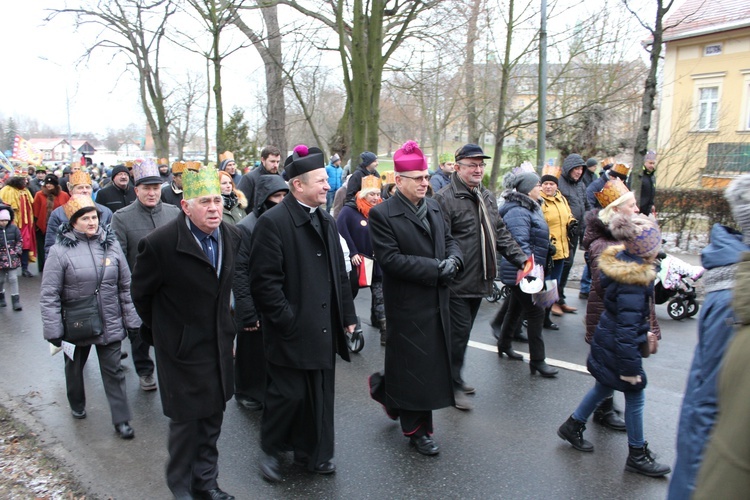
x=171 y=195
x=628 y=283
x=354 y=184
x=439 y=180
x=249 y=181
x=335 y=176
x=699 y=406
x=237 y=212
x=11 y=244
x=648 y=191
x=115 y=198
x=72 y=271
x=524 y=219
x=575 y=193
x=354 y=228
x=135 y=221
x=557 y=213
x=725 y=472
x=44 y=203
x=461 y=213
x=57 y=218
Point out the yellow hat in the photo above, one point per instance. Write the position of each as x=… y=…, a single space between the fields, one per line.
x=178 y=167
x=77 y=202
x=612 y=190
x=193 y=165
x=388 y=177
x=78 y=178
x=204 y=182
x=226 y=155
x=553 y=170
x=370 y=183
x=163 y=161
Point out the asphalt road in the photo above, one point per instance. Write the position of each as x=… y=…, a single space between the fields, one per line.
x=506 y=447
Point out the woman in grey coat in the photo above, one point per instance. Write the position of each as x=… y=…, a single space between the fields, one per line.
x=73 y=271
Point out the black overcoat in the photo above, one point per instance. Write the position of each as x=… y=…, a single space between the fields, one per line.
x=417 y=359
x=179 y=296
x=291 y=288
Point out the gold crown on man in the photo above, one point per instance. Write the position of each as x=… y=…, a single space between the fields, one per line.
x=553 y=170
x=612 y=190
x=226 y=155
x=204 y=182
x=388 y=177
x=621 y=168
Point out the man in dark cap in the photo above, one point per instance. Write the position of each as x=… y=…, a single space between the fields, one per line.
x=301 y=289
x=270 y=159
x=119 y=193
x=589 y=173
x=368 y=166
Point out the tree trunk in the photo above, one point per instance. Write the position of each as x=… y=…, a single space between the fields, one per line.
x=206 y=115
x=471 y=105
x=276 y=110
x=216 y=59
x=500 y=131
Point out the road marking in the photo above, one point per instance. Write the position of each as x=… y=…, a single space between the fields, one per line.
x=554 y=362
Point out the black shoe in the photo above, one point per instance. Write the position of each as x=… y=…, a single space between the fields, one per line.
x=543 y=368
x=325 y=468
x=249 y=404
x=641 y=461
x=424 y=445
x=16 y=300
x=212 y=494
x=26 y=274
x=2 y=300
x=551 y=326
x=269 y=468
x=78 y=414
x=583 y=296
x=572 y=432
x=510 y=353
x=124 y=430
x=606 y=415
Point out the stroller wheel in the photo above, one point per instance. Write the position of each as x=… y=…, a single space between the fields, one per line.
x=496 y=293
x=676 y=309
x=355 y=341
x=692 y=308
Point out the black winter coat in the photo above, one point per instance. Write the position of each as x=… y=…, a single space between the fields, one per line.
x=524 y=219
x=180 y=298
x=417 y=354
x=115 y=198
x=648 y=192
x=575 y=193
x=628 y=283
x=300 y=287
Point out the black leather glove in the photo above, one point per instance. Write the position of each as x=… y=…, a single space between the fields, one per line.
x=573 y=229
x=447 y=270
x=146 y=334
x=55 y=342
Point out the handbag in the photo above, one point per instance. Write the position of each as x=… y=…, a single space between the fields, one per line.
x=81 y=318
x=365 y=271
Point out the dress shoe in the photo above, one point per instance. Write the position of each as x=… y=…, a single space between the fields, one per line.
x=424 y=445
x=551 y=326
x=325 y=468
x=462 y=402
x=556 y=310
x=510 y=353
x=568 y=309
x=543 y=368
x=269 y=468
x=124 y=430
x=468 y=389
x=212 y=494
x=78 y=414
x=249 y=404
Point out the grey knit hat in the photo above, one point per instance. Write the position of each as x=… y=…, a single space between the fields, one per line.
x=524 y=182
x=738 y=197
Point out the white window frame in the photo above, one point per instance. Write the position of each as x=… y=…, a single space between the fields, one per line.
x=706 y=81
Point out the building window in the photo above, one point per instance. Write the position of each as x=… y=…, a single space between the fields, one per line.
x=728 y=158
x=713 y=49
x=708 y=108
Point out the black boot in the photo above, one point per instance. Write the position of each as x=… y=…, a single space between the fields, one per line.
x=16 y=302
x=572 y=432
x=2 y=300
x=606 y=415
x=383 y=334
x=543 y=368
x=641 y=460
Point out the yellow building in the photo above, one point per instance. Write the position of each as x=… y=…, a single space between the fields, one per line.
x=704 y=115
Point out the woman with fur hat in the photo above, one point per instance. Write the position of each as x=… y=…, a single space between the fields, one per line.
x=234 y=200
x=615 y=360
x=523 y=216
x=46 y=200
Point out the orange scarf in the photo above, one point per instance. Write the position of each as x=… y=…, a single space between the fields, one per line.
x=364 y=207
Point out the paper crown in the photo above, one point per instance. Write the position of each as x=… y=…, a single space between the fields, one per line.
x=553 y=170
x=371 y=182
x=178 y=167
x=303 y=159
x=204 y=182
x=613 y=189
x=226 y=155
x=526 y=166
x=608 y=162
x=76 y=203
x=129 y=164
x=409 y=158
x=650 y=155
x=163 y=161
x=75 y=164
x=620 y=168
x=388 y=177
x=146 y=172
x=445 y=158
x=80 y=177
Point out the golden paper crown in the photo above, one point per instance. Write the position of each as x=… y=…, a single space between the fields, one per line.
x=129 y=164
x=178 y=167
x=371 y=182
x=204 y=182
x=388 y=177
x=75 y=164
x=608 y=161
x=80 y=177
x=76 y=203
x=163 y=161
x=226 y=155
x=553 y=170
x=193 y=165
x=621 y=168
x=612 y=190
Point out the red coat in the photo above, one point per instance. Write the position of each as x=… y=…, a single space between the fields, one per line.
x=44 y=203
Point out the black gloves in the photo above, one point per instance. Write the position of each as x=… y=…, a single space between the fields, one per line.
x=573 y=229
x=146 y=334
x=55 y=342
x=552 y=250
x=447 y=270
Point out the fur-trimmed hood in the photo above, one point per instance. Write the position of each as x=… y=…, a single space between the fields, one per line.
x=69 y=238
x=625 y=268
x=513 y=198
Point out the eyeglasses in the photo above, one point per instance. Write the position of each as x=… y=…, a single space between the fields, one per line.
x=472 y=165
x=418 y=179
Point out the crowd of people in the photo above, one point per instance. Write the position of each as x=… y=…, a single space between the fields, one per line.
x=244 y=286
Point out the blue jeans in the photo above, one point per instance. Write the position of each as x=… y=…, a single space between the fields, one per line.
x=586 y=279
x=634 y=402
x=329 y=200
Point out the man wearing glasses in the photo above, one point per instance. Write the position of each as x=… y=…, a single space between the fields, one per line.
x=470 y=210
x=419 y=259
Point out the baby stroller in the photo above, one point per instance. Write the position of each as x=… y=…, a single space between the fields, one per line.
x=675 y=283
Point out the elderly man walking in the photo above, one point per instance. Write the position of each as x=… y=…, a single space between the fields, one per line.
x=182 y=281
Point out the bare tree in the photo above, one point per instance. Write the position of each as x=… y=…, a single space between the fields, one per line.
x=134 y=29
x=182 y=113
